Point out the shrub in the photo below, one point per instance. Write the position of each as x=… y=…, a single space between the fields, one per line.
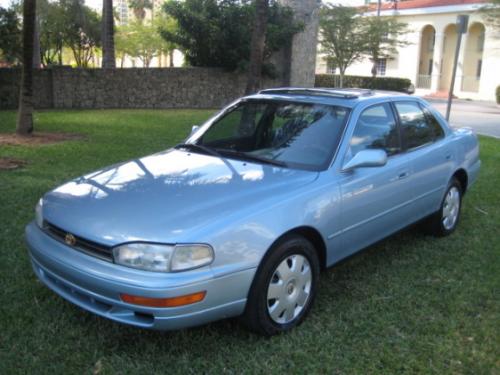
x=377 y=83
x=498 y=94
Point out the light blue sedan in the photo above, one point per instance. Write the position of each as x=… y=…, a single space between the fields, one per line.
x=240 y=219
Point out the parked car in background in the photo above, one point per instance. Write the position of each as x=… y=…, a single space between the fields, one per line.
x=241 y=218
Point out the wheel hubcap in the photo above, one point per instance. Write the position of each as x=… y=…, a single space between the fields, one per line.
x=289 y=289
x=451 y=208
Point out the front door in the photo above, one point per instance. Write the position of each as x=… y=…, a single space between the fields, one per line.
x=375 y=200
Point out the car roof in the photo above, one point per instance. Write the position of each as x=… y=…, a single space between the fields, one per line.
x=346 y=97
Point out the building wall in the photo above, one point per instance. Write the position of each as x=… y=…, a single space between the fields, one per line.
x=68 y=88
x=407 y=62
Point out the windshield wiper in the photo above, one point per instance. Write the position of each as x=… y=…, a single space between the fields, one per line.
x=246 y=156
x=194 y=146
x=237 y=154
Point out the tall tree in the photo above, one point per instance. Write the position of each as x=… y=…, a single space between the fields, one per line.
x=24 y=125
x=223 y=36
x=342 y=36
x=53 y=22
x=37 y=55
x=141 y=41
x=10 y=36
x=384 y=36
x=257 y=45
x=108 y=35
x=139 y=8
x=82 y=33
x=491 y=12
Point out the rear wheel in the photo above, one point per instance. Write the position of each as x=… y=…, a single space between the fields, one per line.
x=284 y=287
x=445 y=221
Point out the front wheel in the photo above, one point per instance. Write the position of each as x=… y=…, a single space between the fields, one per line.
x=284 y=287
x=445 y=221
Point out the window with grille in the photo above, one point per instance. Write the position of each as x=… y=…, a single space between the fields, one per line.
x=331 y=68
x=381 y=66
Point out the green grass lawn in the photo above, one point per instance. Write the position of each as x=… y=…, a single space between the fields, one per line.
x=410 y=304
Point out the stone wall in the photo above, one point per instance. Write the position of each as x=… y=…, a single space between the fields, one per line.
x=68 y=88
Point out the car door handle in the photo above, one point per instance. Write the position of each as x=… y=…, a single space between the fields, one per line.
x=448 y=157
x=403 y=175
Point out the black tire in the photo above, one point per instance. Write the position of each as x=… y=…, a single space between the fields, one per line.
x=286 y=251
x=435 y=224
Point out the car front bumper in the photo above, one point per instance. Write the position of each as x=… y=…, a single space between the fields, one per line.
x=95 y=285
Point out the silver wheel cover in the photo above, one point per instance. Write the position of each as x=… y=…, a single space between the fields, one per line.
x=289 y=289
x=451 y=208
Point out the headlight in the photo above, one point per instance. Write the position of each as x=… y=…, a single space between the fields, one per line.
x=163 y=258
x=38 y=213
x=187 y=257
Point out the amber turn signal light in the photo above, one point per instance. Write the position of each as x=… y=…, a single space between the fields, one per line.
x=164 y=302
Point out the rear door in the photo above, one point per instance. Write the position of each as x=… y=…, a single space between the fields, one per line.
x=429 y=156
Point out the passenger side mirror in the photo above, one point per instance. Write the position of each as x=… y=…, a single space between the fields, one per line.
x=366 y=158
x=194 y=129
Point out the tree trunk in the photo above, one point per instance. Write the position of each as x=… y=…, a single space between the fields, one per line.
x=374 y=69
x=341 y=77
x=379 y=5
x=139 y=14
x=171 y=58
x=24 y=124
x=37 y=60
x=257 y=45
x=108 y=35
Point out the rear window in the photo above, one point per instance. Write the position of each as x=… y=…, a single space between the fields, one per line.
x=415 y=128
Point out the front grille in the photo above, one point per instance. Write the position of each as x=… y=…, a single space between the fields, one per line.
x=81 y=244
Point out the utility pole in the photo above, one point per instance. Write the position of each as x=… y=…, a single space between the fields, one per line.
x=462 y=24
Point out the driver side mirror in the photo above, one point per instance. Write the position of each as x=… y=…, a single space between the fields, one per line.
x=194 y=129
x=366 y=158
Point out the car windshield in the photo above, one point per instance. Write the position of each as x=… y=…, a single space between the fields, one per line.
x=292 y=134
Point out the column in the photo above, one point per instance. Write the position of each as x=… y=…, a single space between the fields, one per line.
x=460 y=66
x=436 y=61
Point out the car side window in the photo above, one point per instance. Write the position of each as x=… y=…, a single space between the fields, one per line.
x=436 y=127
x=376 y=129
x=415 y=129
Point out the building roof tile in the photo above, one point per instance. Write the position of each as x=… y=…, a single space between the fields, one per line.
x=415 y=4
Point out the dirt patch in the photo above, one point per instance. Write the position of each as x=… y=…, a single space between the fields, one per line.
x=11 y=163
x=38 y=138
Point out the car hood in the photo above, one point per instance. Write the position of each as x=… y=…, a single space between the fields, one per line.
x=165 y=197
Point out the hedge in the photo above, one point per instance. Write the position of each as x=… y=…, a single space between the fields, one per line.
x=498 y=94
x=377 y=83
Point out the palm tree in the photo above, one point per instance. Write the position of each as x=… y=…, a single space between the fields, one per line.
x=257 y=45
x=24 y=125
x=108 y=35
x=139 y=7
x=37 y=57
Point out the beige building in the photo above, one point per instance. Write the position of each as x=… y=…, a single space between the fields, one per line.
x=428 y=60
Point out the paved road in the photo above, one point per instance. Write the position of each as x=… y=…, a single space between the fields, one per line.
x=483 y=117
